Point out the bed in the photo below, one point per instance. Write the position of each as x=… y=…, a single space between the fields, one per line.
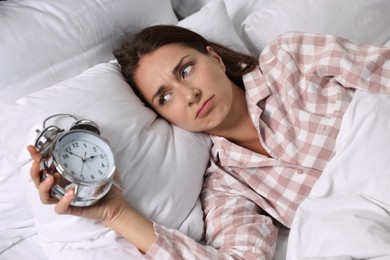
x=57 y=58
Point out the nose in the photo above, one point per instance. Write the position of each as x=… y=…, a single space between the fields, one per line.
x=192 y=95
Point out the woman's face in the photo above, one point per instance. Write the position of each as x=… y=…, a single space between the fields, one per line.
x=186 y=87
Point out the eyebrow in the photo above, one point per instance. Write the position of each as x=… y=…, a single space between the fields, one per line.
x=175 y=71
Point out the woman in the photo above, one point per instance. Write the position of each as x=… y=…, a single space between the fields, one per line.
x=273 y=125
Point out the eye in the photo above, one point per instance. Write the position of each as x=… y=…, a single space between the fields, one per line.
x=164 y=98
x=186 y=70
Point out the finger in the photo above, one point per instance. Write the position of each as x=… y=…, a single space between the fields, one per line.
x=63 y=206
x=44 y=190
x=35 y=173
x=35 y=155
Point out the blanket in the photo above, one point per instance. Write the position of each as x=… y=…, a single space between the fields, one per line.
x=347 y=214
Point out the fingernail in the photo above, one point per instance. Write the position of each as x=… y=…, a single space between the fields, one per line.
x=69 y=194
x=47 y=178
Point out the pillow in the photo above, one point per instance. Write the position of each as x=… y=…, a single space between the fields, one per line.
x=187 y=7
x=359 y=20
x=238 y=11
x=162 y=177
x=222 y=30
x=44 y=42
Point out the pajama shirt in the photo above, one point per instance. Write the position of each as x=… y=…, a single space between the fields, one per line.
x=296 y=99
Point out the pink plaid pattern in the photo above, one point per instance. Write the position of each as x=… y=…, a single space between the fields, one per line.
x=296 y=99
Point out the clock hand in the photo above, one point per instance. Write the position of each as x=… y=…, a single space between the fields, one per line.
x=82 y=165
x=81 y=172
x=91 y=157
x=85 y=159
x=87 y=165
x=82 y=158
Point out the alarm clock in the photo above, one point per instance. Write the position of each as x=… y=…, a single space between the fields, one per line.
x=78 y=158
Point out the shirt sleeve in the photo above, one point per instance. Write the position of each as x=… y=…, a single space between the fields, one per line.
x=352 y=65
x=235 y=229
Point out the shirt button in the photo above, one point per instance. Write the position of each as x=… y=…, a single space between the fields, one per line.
x=299 y=171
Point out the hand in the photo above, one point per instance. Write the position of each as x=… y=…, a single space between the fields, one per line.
x=106 y=210
x=112 y=210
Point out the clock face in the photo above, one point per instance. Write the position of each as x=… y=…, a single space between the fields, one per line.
x=84 y=156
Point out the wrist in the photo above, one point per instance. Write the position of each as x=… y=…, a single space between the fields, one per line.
x=134 y=227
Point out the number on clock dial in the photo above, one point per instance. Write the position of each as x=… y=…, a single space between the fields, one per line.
x=84 y=160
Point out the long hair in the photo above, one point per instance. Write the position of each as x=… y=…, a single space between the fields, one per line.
x=133 y=48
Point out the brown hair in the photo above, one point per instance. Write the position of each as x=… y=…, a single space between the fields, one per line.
x=151 y=38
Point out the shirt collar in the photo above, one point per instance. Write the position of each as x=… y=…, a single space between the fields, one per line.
x=256 y=88
x=223 y=150
x=256 y=92
x=228 y=154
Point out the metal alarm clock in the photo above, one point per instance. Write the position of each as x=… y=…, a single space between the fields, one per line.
x=78 y=158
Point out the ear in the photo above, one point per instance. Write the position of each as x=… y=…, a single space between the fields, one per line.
x=215 y=56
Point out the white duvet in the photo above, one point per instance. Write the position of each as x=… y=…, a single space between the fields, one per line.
x=347 y=214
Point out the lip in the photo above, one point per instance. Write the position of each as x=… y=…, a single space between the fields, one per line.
x=204 y=108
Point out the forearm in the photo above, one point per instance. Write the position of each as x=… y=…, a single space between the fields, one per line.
x=157 y=241
x=135 y=228
x=250 y=241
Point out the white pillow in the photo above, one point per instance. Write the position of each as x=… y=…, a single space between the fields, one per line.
x=161 y=166
x=185 y=8
x=221 y=31
x=359 y=20
x=237 y=11
x=44 y=42
x=152 y=155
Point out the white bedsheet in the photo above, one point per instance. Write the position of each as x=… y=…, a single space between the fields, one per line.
x=347 y=214
x=28 y=248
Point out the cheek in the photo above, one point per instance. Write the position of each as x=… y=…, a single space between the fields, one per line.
x=215 y=76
